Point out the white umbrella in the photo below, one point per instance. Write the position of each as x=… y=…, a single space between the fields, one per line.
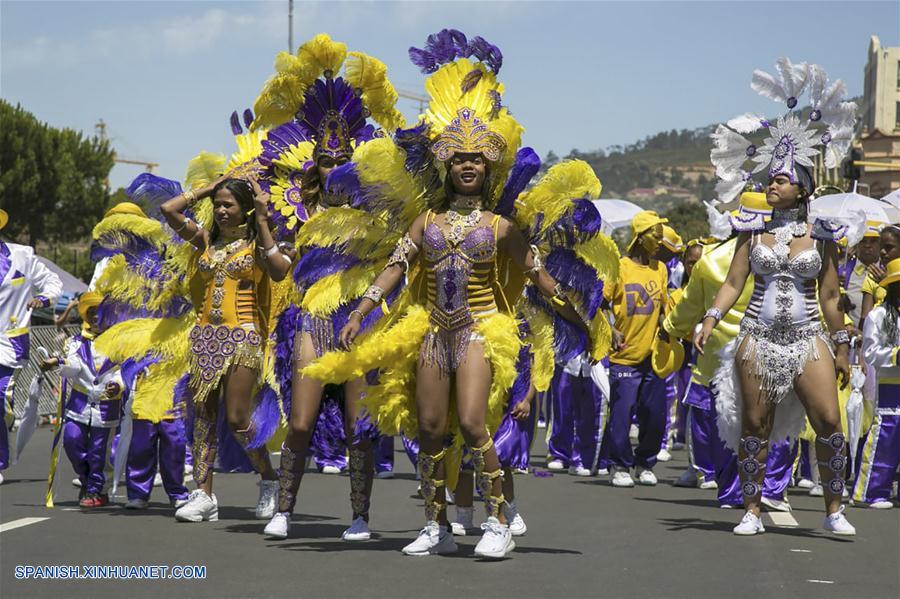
x=844 y=205
x=616 y=213
x=893 y=198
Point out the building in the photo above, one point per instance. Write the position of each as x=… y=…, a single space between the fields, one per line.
x=880 y=112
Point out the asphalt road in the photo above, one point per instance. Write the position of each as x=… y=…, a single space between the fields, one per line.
x=585 y=539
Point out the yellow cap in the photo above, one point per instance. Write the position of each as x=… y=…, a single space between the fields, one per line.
x=4 y=218
x=88 y=300
x=893 y=273
x=666 y=357
x=753 y=202
x=642 y=221
x=672 y=240
x=873 y=228
x=125 y=208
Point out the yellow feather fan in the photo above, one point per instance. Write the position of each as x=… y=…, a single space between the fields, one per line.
x=566 y=180
x=380 y=162
x=141 y=226
x=164 y=337
x=152 y=399
x=369 y=75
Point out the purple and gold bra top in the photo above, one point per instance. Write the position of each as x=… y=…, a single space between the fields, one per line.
x=459 y=278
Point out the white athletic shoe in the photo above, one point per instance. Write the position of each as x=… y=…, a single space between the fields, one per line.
x=709 y=484
x=496 y=541
x=268 y=492
x=838 y=524
x=750 y=525
x=136 y=504
x=816 y=491
x=580 y=471
x=1 y=480
x=178 y=503
x=633 y=432
x=603 y=471
x=542 y=424
x=463 y=522
x=278 y=526
x=517 y=525
x=663 y=455
x=157 y=480
x=199 y=507
x=520 y=470
x=621 y=478
x=881 y=504
x=777 y=505
x=76 y=482
x=555 y=465
x=805 y=483
x=188 y=469
x=688 y=479
x=646 y=477
x=331 y=470
x=434 y=539
x=385 y=474
x=358 y=531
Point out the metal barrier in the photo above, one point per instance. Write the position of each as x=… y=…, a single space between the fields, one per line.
x=52 y=339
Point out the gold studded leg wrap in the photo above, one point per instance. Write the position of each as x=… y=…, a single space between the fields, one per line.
x=359 y=478
x=836 y=462
x=205 y=446
x=485 y=480
x=428 y=466
x=256 y=456
x=290 y=472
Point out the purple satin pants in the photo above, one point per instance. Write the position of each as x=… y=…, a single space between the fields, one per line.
x=6 y=394
x=159 y=445
x=577 y=413
x=880 y=455
x=88 y=449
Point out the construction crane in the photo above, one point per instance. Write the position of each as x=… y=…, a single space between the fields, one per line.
x=101 y=133
x=422 y=100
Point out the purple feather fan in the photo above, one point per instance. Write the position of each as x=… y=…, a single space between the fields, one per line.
x=266 y=416
x=447 y=45
x=526 y=166
x=568 y=339
x=319 y=262
x=586 y=217
x=333 y=94
x=150 y=191
x=513 y=438
x=285 y=330
x=568 y=270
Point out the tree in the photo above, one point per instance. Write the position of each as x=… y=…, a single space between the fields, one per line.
x=52 y=181
x=689 y=220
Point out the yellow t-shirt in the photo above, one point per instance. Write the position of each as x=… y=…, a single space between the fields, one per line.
x=877 y=292
x=637 y=299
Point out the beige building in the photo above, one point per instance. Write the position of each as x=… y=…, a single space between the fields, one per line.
x=880 y=112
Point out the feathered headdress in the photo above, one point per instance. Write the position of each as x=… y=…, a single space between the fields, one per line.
x=465 y=114
x=792 y=141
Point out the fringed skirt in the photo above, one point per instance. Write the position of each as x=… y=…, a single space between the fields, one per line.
x=447 y=349
x=215 y=349
x=777 y=356
x=321 y=330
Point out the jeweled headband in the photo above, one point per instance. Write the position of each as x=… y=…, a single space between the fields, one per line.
x=467 y=134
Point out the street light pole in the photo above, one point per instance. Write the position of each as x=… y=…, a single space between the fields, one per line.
x=290 y=25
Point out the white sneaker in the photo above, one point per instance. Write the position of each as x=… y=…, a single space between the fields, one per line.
x=516 y=523
x=816 y=491
x=463 y=522
x=199 y=507
x=449 y=496
x=331 y=470
x=621 y=478
x=633 y=432
x=384 y=474
x=157 y=480
x=709 y=484
x=580 y=471
x=188 y=469
x=268 y=492
x=555 y=465
x=76 y=482
x=750 y=525
x=179 y=502
x=1 y=480
x=688 y=479
x=603 y=471
x=358 y=531
x=646 y=477
x=776 y=505
x=542 y=424
x=663 y=455
x=881 y=504
x=496 y=541
x=838 y=524
x=805 y=483
x=434 y=539
x=520 y=470
x=278 y=526
x=137 y=504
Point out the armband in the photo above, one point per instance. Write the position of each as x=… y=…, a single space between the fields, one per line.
x=713 y=313
x=374 y=293
x=402 y=252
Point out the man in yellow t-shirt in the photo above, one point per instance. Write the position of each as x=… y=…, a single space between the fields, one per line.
x=637 y=301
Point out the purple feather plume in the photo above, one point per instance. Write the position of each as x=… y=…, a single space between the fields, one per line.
x=526 y=166
x=586 y=218
x=248 y=117
x=320 y=262
x=266 y=416
x=150 y=191
x=235 y=124
x=568 y=270
x=447 y=45
x=285 y=330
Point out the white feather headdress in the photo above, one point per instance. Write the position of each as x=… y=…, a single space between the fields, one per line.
x=791 y=140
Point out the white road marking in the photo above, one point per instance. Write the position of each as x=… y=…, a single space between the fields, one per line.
x=801 y=551
x=783 y=519
x=820 y=581
x=20 y=523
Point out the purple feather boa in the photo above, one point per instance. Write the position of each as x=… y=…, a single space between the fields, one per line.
x=266 y=416
x=447 y=45
x=150 y=191
x=568 y=270
x=526 y=166
x=568 y=339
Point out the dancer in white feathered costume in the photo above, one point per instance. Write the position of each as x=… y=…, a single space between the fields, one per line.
x=782 y=349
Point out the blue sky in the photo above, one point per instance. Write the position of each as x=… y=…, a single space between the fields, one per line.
x=165 y=76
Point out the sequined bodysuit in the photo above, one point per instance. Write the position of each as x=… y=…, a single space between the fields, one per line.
x=459 y=278
x=782 y=319
x=227 y=329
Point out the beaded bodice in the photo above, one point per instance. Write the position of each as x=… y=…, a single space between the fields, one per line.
x=231 y=275
x=459 y=270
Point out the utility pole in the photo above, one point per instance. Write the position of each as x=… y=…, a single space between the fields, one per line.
x=290 y=25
